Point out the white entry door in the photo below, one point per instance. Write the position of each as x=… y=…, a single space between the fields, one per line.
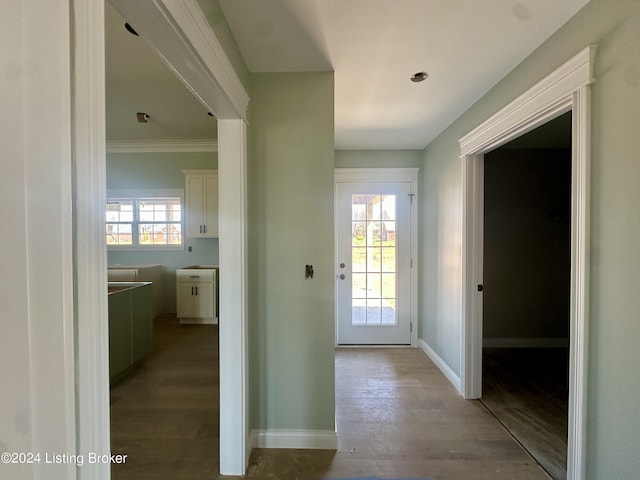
x=373 y=263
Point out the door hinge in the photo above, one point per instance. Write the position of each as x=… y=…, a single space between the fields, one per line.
x=411 y=195
x=411 y=263
x=410 y=327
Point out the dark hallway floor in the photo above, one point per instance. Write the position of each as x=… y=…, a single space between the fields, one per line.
x=527 y=390
x=397 y=417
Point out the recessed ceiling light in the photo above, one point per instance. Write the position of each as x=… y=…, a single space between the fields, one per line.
x=419 y=77
x=130 y=29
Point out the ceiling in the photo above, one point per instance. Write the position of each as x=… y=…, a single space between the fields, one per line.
x=374 y=46
x=137 y=80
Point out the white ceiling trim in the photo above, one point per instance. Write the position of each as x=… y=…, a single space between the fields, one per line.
x=154 y=146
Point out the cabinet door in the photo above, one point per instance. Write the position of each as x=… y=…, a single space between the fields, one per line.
x=210 y=217
x=186 y=301
x=194 y=205
x=204 y=300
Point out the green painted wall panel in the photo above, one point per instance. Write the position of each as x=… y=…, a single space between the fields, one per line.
x=378 y=158
x=291 y=162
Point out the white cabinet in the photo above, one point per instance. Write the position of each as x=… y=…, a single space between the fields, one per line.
x=201 y=203
x=195 y=292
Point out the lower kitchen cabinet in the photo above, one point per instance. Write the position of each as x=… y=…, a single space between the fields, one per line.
x=196 y=302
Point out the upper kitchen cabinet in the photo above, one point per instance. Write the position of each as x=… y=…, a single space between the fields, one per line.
x=201 y=203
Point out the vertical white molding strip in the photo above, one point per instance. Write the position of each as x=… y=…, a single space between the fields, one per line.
x=232 y=171
x=92 y=332
x=472 y=263
x=579 y=330
x=415 y=259
x=43 y=150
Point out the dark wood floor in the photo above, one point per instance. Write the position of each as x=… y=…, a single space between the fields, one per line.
x=527 y=390
x=397 y=416
x=165 y=415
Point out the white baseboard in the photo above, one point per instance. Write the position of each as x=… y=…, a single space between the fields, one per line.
x=525 y=342
x=441 y=364
x=317 y=439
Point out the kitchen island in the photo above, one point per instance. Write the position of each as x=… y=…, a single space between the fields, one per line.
x=130 y=326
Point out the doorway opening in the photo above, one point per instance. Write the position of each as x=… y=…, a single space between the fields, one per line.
x=565 y=89
x=526 y=289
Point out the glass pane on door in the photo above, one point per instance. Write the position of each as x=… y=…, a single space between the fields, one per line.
x=373 y=259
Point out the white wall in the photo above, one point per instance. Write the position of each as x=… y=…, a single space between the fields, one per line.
x=36 y=299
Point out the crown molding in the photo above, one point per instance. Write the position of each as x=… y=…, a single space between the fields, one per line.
x=154 y=146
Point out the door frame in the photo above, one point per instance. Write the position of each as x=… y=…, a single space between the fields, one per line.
x=385 y=175
x=565 y=89
x=181 y=35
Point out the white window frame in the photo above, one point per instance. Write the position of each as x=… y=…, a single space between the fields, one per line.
x=150 y=195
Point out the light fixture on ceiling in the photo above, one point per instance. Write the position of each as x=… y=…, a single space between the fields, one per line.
x=130 y=29
x=419 y=77
x=142 y=117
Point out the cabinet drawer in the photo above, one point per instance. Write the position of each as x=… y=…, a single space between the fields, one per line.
x=194 y=276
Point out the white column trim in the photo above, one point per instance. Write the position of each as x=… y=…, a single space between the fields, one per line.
x=232 y=168
x=566 y=89
x=92 y=328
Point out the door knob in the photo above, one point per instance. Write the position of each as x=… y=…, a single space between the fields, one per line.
x=342 y=276
x=342 y=265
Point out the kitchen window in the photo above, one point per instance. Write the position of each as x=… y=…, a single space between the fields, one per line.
x=144 y=222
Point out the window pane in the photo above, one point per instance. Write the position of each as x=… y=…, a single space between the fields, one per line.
x=359 y=259
x=388 y=259
x=373 y=285
x=389 y=285
x=120 y=211
x=374 y=312
x=373 y=259
x=359 y=285
x=388 y=207
x=119 y=234
x=358 y=233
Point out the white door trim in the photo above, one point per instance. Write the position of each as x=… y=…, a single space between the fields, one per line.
x=92 y=323
x=368 y=175
x=566 y=89
x=215 y=84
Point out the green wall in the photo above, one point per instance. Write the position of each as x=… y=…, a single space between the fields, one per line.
x=378 y=158
x=161 y=170
x=291 y=330
x=614 y=423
